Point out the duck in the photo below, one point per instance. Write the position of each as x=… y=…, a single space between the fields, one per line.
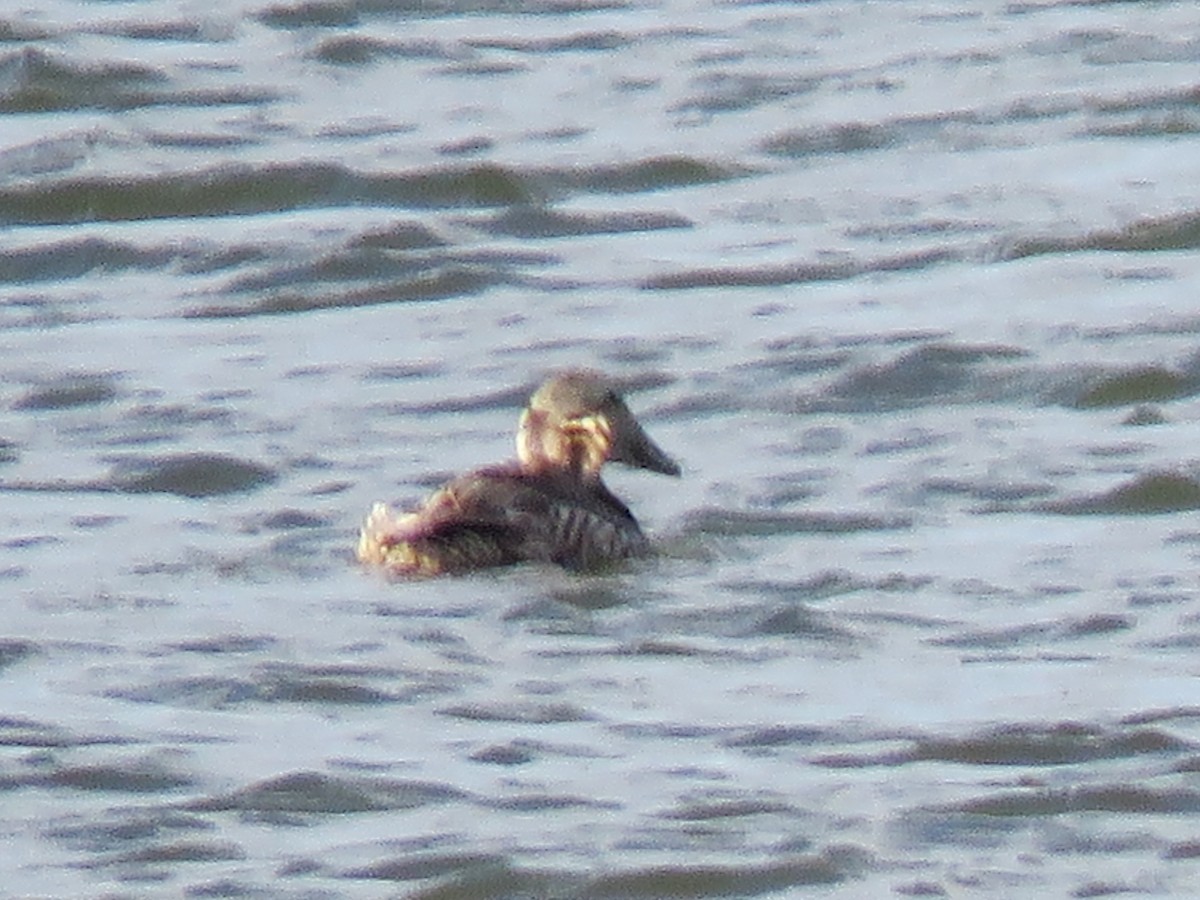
x=549 y=505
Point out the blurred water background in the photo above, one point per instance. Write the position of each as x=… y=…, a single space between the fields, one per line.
x=909 y=287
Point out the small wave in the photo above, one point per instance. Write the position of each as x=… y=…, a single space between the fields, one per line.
x=826 y=584
x=199 y=692
x=285 y=683
x=318 y=793
x=84 y=256
x=226 y=643
x=830 y=866
x=936 y=372
x=1021 y=744
x=586 y=40
x=538 y=222
x=1166 y=233
x=21 y=732
x=13 y=651
x=436 y=285
x=722 y=92
x=1159 y=125
x=741 y=523
x=990 y=491
x=68 y=392
x=797 y=273
x=356 y=50
x=279 y=187
x=132 y=776
x=1038 y=633
x=1182 y=850
x=939 y=372
x=506 y=398
x=189 y=31
x=651 y=174
x=1141 y=384
x=538 y=803
x=191 y=475
x=194 y=475
x=718 y=806
x=310 y=14
x=124 y=832
x=36 y=82
x=1149 y=494
x=845 y=138
x=247 y=190
x=59 y=153
x=768 y=736
x=181 y=851
x=345 y=13
x=485 y=875
x=524 y=712
x=1116 y=798
x=431 y=864
x=799 y=621
x=400 y=265
x=514 y=753
x=1181 y=714
x=21 y=30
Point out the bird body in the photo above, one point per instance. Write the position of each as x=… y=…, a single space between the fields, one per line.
x=549 y=505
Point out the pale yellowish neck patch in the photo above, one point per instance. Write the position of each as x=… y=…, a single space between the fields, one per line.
x=580 y=445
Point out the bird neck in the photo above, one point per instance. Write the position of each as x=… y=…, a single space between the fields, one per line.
x=579 y=448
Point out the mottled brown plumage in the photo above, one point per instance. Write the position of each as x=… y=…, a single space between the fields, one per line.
x=550 y=505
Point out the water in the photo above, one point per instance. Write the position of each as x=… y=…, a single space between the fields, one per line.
x=908 y=288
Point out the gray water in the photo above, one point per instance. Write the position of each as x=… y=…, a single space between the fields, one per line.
x=910 y=289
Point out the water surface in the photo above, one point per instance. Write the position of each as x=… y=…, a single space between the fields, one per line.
x=908 y=288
